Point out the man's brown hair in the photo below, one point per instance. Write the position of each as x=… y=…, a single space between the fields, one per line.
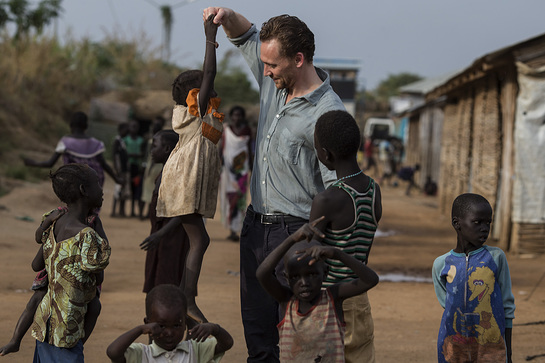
x=293 y=35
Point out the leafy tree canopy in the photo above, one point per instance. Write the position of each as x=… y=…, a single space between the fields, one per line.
x=232 y=83
x=390 y=86
x=378 y=99
x=25 y=17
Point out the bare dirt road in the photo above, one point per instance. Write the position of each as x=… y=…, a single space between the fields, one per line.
x=406 y=314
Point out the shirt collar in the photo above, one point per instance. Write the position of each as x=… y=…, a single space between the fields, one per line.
x=157 y=350
x=314 y=96
x=474 y=252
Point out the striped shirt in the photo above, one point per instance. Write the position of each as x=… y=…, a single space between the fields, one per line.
x=317 y=336
x=356 y=240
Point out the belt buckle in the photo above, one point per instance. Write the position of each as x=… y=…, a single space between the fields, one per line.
x=261 y=219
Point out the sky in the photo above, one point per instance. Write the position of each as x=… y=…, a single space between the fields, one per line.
x=425 y=37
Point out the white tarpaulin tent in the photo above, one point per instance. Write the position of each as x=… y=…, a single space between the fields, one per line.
x=529 y=138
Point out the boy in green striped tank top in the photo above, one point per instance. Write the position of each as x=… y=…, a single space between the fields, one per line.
x=352 y=209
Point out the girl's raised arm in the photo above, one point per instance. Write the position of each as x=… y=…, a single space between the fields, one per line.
x=209 y=67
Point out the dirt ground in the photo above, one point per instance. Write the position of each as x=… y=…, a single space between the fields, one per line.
x=406 y=314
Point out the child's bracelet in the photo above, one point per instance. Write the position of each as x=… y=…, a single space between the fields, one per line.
x=216 y=44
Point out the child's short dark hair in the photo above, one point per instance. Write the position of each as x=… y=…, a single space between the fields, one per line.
x=338 y=132
x=298 y=246
x=168 y=295
x=168 y=137
x=464 y=202
x=78 y=121
x=185 y=82
x=67 y=180
x=237 y=108
x=124 y=126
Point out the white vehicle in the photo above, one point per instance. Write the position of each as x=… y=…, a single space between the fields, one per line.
x=378 y=128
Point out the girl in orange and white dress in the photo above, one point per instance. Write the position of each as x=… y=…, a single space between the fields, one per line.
x=189 y=185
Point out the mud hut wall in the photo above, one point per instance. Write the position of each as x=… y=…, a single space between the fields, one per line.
x=430 y=133
x=455 y=150
x=425 y=146
x=412 y=154
x=486 y=140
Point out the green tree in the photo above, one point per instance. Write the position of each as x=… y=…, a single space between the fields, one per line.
x=232 y=83
x=390 y=86
x=27 y=18
x=377 y=100
x=166 y=15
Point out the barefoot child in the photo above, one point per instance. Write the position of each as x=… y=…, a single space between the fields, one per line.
x=311 y=329
x=473 y=285
x=68 y=241
x=39 y=286
x=352 y=208
x=167 y=244
x=121 y=167
x=165 y=322
x=189 y=185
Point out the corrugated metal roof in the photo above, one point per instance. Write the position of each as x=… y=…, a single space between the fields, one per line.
x=481 y=65
x=426 y=85
x=337 y=63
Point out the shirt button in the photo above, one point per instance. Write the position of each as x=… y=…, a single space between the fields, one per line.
x=268 y=136
x=263 y=182
x=265 y=159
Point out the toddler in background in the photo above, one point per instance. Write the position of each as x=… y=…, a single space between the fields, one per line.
x=167 y=244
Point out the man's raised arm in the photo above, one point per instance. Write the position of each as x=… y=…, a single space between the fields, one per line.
x=233 y=23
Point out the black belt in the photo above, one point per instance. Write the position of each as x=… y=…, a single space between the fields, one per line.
x=275 y=218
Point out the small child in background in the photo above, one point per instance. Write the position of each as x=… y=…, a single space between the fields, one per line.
x=68 y=241
x=136 y=149
x=237 y=158
x=312 y=325
x=79 y=147
x=167 y=244
x=352 y=208
x=152 y=168
x=473 y=285
x=122 y=190
x=39 y=286
x=406 y=173
x=189 y=185
x=165 y=322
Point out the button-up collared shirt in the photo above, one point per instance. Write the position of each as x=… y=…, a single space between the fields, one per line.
x=187 y=351
x=287 y=173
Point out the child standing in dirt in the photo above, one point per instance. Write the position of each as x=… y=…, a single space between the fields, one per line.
x=68 y=241
x=167 y=244
x=311 y=328
x=40 y=285
x=406 y=173
x=136 y=149
x=78 y=147
x=473 y=285
x=189 y=185
x=352 y=208
x=165 y=323
x=121 y=167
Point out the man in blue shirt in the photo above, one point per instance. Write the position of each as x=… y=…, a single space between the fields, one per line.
x=286 y=174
